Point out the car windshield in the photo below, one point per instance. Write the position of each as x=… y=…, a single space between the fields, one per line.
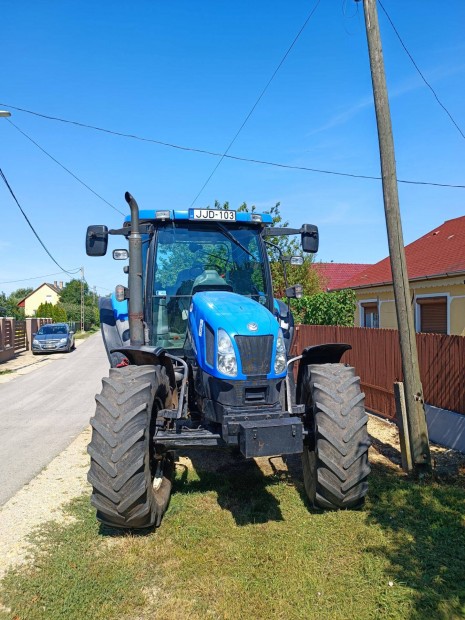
x=52 y=329
x=191 y=259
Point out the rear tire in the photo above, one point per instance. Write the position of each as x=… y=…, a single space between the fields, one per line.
x=335 y=457
x=131 y=483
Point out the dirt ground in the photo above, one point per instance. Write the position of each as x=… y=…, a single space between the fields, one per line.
x=447 y=464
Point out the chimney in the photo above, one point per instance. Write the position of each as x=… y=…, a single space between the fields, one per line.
x=55 y=284
x=61 y=285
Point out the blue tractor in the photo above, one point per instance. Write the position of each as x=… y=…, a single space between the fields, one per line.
x=199 y=351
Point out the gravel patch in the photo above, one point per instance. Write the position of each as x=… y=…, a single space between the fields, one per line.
x=41 y=500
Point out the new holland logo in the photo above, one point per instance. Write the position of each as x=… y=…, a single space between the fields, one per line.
x=252 y=327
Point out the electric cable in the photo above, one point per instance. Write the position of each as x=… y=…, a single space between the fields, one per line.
x=252 y=109
x=71 y=271
x=234 y=157
x=419 y=71
x=64 y=167
x=29 y=223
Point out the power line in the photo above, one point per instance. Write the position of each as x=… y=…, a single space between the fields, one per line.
x=234 y=157
x=341 y=174
x=64 y=167
x=104 y=288
x=29 y=223
x=252 y=109
x=72 y=271
x=419 y=72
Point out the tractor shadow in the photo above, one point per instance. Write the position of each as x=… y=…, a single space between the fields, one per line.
x=241 y=485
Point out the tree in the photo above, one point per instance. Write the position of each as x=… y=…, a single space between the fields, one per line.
x=55 y=312
x=91 y=315
x=71 y=293
x=9 y=304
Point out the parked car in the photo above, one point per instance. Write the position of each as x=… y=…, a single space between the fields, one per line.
x=53 y=337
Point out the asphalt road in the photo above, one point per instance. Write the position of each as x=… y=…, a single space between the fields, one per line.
x=42 y=412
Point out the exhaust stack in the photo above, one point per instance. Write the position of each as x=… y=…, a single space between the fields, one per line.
x=136 y=314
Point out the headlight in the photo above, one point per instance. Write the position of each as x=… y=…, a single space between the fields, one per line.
x=36 y=342
x=226 y=357
x=63 y=340
x=280 y=361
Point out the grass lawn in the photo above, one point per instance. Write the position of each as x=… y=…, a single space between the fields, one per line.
x=82 y=335
x=241 y=543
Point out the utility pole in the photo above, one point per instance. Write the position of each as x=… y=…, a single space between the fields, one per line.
x=82 y=300
x=413 y=389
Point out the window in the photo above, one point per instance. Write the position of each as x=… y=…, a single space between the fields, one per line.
x=370 y=314
x=193 y=257
x=432 y=314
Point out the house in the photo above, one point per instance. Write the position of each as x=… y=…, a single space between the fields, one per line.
x=46 y=292
x=333 y=275
x=436 y=270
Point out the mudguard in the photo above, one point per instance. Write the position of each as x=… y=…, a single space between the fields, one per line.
x=114 y=326
x=115 y=333
x=150 y=356
x=330 y=353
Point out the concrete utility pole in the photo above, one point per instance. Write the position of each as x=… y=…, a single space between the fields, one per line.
x=413 y=389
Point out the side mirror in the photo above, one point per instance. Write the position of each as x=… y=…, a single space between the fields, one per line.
x=295 y=292
x=296 y=260
x=96 y=240
x=310 y=239
x=71 y=333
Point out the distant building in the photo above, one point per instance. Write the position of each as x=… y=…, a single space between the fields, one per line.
x=333 y=275
x=46 y=292
x=436 y=271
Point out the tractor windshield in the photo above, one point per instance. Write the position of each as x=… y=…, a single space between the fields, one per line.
x=192 y=258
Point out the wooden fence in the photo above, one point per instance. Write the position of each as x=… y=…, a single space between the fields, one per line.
x=16 y=336
x=20 y=335
x=7 y=339
x=375 y=354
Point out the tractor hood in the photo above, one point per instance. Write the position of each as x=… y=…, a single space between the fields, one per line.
x=236 y=314
x=253 y=331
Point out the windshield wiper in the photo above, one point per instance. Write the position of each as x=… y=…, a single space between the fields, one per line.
x=232 y=238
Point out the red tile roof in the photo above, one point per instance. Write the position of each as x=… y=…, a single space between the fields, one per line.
x=335 y=274
x=438 y=253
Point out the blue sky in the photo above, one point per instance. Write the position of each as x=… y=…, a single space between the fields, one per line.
x=188 y=73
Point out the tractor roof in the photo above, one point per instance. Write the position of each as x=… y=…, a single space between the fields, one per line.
x=205 y=215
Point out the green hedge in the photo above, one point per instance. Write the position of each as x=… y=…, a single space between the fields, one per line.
x=336 y=308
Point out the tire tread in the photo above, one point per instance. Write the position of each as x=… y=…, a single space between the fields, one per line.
x=336 y=467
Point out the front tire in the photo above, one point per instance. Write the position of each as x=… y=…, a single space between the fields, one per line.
x=335 y=457
x=131 y=482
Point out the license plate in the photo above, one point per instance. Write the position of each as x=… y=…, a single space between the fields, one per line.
x=212 y=214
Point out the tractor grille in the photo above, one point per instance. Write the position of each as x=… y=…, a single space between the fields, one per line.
x=255 y=352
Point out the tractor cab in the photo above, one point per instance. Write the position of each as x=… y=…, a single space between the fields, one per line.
x=188 y=257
